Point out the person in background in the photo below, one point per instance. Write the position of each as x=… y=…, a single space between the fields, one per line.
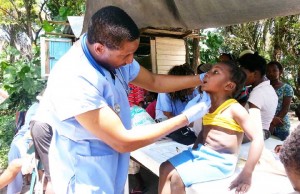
x=262 y=101
x=86 y=104
x=24 y=165
x=247 y=51
x=172 y=104
x=151 y=99
x=280 y=125
x=290 y=157
x=18 y=149
x=215 y=153
x=225 y=57
x=203 y=68
x=136 y=96
x=42 y=135
x=297 y=113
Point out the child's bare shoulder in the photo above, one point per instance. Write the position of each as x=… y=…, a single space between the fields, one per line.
x=237 y=108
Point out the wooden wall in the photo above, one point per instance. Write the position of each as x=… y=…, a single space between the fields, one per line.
x=168 y=52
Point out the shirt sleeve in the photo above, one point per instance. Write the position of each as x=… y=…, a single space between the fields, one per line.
x=288 y=91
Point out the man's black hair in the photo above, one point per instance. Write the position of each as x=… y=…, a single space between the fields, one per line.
x=111 y=26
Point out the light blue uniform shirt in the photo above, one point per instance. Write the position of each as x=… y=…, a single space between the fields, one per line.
x=166 y=104
x=79 y=161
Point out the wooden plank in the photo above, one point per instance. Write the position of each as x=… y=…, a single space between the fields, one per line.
x=167 y=47
x=169 y=41
x=171 y=52
x=162 y=72
x=153 y=56
x=60 y=34
x=169 y=62
x=171 y=57
x=165 y=67
x=47 y=54
x=162 y=31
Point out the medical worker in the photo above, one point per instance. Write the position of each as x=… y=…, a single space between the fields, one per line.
x=86 y=104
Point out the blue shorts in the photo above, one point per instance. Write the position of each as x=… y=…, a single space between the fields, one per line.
x=203 y=164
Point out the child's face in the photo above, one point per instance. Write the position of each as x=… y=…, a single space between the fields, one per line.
x=294 y=178
x=216 y=79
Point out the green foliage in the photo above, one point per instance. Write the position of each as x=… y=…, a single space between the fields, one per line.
x=21 y=79
x=210 y=47
x=7 y=125
x=60 y=10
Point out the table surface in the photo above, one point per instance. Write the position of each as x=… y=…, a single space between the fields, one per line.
x=263 y=181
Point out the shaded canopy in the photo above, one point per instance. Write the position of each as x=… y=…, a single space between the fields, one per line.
x=195 y=14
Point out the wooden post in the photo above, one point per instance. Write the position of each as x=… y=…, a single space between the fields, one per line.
x=196 y=53
x=187 y=50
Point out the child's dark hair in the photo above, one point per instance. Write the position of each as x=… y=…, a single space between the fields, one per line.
x=237 y=76
x=184 y=69
x=279 y=66
x=290 y=151
x=253 y=62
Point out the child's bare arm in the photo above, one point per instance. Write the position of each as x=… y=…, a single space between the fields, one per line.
x=11 y=172
x=251 y=123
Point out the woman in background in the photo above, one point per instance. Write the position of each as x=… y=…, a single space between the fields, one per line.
x=280 y=125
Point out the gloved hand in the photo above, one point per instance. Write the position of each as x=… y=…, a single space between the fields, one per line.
x=197 y=107
x=202 y=75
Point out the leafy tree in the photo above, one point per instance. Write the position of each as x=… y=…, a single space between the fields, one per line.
x=21 y=79
x=276 y=39
x=210 y=47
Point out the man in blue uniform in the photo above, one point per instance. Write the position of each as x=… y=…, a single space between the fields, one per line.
x=86 y=104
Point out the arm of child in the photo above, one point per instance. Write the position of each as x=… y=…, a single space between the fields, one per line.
x=251 y=123
x=10 y=173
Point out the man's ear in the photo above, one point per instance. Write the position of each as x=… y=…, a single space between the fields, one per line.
x=99 y=48
x=230 y=86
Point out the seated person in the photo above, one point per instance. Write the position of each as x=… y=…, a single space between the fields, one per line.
x=280 y=125
x=215 y=153
x=172 y=104
x=42 y=135
x=19 y=147
x=23 y=165
x=263 y=100
x=151 y=99
x=226 y=57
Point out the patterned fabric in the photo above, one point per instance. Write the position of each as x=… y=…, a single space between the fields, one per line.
x=284 y=91
x=136 y=95
x=243 y=96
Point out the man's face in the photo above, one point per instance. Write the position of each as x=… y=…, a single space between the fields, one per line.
x=119 y=57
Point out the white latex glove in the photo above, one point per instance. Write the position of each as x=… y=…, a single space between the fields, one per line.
x=202 y=75
x=197 y=107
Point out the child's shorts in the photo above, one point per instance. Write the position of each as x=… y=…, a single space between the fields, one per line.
x=203 y=164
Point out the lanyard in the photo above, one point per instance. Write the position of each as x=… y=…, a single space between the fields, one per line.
x=89 y=56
